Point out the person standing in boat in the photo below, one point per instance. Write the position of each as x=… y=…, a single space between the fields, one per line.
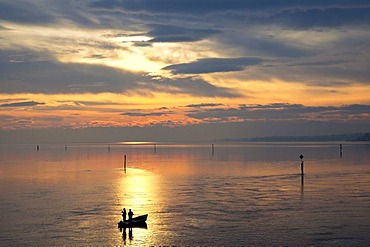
x=123 y=214
x=130 y=214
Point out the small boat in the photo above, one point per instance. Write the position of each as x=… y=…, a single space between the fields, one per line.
x=139 y=221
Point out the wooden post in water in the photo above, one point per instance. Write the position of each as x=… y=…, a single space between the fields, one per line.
x=155 y=148
x=213 y=149
x=108 y=148
x=341 y=150
x=301 y=157
x=38 y=148
x=124 y=162
x=65 y=148
x=302 y=181
x=302 y=172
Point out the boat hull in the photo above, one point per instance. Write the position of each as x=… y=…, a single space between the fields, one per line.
x=139 y=222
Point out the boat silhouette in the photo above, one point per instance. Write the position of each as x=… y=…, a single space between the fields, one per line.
x=139 y=222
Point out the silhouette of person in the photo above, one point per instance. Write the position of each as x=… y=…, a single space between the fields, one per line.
x=123 y=214
x=130 y=214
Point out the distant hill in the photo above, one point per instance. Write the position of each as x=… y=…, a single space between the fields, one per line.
x=320 y=138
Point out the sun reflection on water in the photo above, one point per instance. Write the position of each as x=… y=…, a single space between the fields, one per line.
x=136 y=190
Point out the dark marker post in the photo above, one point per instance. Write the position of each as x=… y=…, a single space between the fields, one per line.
x=155 y=148
x=65 y=147
x=124 y=162
x=301 y=157
x=302 y=173
x=341 y=150
x=108 y=148
x=213 y=149
x=38 y=148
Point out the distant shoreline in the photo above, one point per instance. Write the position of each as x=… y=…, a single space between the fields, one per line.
x=354 y=137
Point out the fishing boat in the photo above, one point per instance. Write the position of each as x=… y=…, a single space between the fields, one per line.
x=139 y=221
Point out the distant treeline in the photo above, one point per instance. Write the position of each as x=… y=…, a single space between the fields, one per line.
x=320 y=138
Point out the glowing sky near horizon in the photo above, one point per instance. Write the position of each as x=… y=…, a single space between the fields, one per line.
x=173 y=63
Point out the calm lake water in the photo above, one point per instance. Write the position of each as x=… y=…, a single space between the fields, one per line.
x=241 y=194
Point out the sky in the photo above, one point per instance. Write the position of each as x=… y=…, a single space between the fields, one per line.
x=183 y=69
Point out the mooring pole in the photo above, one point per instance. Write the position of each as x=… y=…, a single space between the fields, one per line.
x=108 y=148
x=124 y=162
x=155 y=148
x=38 y=148
x=302 y=173
x=213 y=149
x=302 y=180
x=301 y=157
x=341 y=150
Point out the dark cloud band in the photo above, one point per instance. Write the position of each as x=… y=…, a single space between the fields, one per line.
x=22 y=104
x=212 y=65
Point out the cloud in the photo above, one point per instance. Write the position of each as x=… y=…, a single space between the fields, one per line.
x=49 y=77
x=89 y=103
x=119 y=13
x=170 y=33
x=203 y=105
x=41 y=12
x=285 y=112
x=242 y=13
x=23 y=122
x=4 y=118
x=140 y=114
x=194 y=86
x=269 y=47
x=2 y=27
x=251 y=28
x=53 y=77
x=322 y=44
x=97 y=56
x=327 y=18
x=22 y=104
x=212 y=65
x=196 y=7
x=271 y=106
x=356 y=108
x=24 y=11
